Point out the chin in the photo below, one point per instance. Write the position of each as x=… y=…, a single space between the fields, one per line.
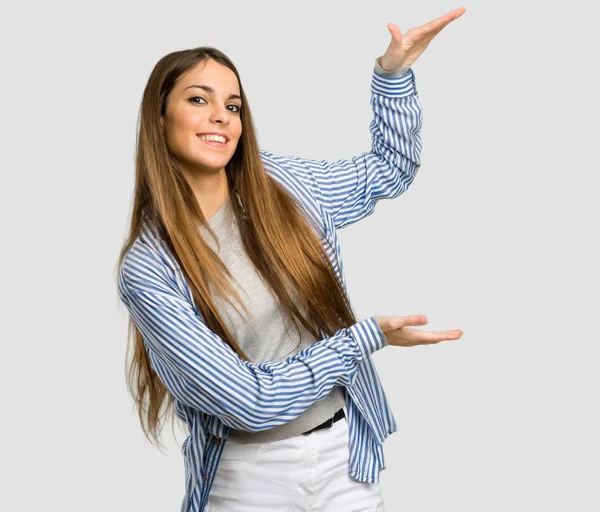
x=210 y=165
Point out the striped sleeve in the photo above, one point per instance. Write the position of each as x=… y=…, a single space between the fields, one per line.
x=349 y=189
x=203 y=372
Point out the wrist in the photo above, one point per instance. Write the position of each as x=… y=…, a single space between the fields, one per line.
x=389 y=64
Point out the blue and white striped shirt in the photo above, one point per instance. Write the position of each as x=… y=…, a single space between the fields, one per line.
x=213 y=388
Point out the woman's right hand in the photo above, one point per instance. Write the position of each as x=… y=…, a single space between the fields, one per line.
x=399 y=334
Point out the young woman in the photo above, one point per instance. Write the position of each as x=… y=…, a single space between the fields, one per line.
x=233 y=279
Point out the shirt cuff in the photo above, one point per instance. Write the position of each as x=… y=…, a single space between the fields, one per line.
x=393 y=72
x=368 y=335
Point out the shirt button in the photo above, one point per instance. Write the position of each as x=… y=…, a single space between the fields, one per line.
x=206 y=477
x=217 y=441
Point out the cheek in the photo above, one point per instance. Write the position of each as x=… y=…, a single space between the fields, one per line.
x=188 y=121
x=238 y=130
x=182 y=129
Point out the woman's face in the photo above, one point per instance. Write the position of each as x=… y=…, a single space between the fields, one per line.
x=205 y=99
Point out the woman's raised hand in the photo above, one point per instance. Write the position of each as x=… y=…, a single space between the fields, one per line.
x=403 y=50
x=399 y=334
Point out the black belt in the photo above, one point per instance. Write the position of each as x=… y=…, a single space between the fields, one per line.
x=326 y=424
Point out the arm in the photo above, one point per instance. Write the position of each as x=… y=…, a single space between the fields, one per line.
x=349 y=189
x=203 y=372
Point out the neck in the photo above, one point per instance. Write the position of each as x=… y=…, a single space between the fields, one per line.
x=211 y=190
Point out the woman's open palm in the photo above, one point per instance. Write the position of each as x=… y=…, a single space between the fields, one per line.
x=405 y=48
x=398 y=333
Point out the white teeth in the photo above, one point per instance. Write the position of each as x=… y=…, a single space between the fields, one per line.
x=216 y=138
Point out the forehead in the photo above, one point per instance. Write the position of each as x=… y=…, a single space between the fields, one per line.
x=213 y=74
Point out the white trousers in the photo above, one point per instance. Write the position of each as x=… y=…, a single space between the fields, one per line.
x=304 y=473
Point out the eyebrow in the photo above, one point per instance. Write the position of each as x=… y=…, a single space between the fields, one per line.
x=211 y=90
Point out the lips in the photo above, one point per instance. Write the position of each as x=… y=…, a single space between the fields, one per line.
x=213 y=143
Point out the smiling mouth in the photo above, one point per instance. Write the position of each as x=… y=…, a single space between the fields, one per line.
x=213 y=143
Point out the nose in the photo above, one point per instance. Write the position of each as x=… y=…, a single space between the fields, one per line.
x=220 y=115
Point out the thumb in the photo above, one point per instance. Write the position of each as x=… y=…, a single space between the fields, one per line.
x=391 y=323
x=395 y=31
x=403 y=321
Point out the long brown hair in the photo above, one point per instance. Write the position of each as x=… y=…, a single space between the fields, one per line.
x=277 y=237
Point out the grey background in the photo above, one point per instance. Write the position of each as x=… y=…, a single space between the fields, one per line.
x=497 y=236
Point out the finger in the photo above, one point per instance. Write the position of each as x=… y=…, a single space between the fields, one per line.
x=435 y=337
x=439 y=23
x=459 y=12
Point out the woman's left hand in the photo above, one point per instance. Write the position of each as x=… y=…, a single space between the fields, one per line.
x=403 y=50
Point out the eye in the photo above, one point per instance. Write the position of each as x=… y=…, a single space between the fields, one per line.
x=192 y=100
